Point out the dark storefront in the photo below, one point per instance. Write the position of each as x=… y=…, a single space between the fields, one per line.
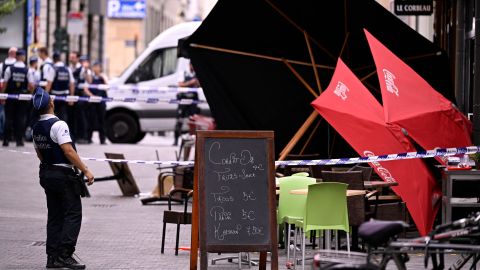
x=456 y=32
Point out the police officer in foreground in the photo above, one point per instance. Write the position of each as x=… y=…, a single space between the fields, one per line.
x=17 y=81
x=59 y=159
x=60 y=82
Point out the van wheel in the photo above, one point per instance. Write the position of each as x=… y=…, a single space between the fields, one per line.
x=122 y=128
x=140 y=136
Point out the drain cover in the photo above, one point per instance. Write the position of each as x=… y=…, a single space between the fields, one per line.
x=99 y=205
x=38 y=244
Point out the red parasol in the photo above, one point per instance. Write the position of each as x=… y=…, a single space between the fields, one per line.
x=352 y=110
x=410 y=102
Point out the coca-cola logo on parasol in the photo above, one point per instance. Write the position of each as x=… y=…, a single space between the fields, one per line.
x=341 y=90
x=390 y=82
x=382 y=171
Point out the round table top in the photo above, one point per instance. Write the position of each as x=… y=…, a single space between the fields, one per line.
x=379 y=184
x=350 y=192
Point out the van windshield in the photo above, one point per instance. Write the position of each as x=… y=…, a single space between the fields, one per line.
x=159 y=63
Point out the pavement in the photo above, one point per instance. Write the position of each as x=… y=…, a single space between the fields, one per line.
x=117 y=232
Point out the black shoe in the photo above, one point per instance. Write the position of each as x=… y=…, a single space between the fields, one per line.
x=70 y=263
x=52 y=262
x=20 y=144
x=5 y=144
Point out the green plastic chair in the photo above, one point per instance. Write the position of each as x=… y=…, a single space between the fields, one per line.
x=326 y=209
x=292 y=207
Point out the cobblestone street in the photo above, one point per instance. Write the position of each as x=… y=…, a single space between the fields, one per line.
x=117 y=232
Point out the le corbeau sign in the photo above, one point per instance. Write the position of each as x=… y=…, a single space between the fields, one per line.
x=413 y=7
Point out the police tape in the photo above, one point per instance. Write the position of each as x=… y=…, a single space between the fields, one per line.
x=145 y=89
x=141 y=88
x=439 y=152
x=98 y=99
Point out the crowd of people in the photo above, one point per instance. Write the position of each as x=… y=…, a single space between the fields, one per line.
x=78 y=78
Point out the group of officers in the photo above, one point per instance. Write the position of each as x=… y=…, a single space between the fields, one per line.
x=79 y=78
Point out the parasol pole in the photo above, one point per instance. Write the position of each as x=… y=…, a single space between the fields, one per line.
x=267 y=57
x=315 y=71
x=299 y=77
x=344 y=45
x=300 y=132
x=371 y=86
x=309 y=139
x=368 y=75
x=279 y=11
x=406 y=59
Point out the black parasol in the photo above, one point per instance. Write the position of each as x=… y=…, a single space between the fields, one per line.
x=255 y=60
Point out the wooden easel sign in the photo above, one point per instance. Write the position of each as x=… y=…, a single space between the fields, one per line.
x=234 y=201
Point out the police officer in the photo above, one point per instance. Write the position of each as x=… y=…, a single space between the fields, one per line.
x=17 y=81
x=47 y=63
x=60 y=82
x=10 y=60
x=58 y=158
x=33 y=69
x=32 y=114
x=97 y=110
x=82 y=74
x=186 y=110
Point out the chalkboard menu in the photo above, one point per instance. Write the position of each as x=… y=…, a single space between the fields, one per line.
x=236 y=189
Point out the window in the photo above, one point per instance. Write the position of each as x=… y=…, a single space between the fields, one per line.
x=159 y=63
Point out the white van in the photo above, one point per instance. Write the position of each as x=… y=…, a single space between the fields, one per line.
x=157 y=66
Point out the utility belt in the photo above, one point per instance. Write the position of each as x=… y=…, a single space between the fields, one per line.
x=17 y=92
x=60 y=92
x=57 y=168
x=72 y=177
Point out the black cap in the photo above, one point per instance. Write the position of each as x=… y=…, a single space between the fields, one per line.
x=56 y=54
x=83 y=58
x=21 y=52
x=33 y=59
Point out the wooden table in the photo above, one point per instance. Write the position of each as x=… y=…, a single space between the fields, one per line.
x=350 y=192
x=378 y=184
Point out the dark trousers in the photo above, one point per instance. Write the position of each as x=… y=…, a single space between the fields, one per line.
x=15 y=119
x=64 y=211
x=80 y=115
x=183 y=111
x=97 y=120
x=61 y=110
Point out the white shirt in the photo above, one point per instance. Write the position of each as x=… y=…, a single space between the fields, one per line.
x=35 y=73
x=8 y=73
x=48 y=70
x=59 y=133
x=8 y=61
x=50 y=75
x=84 y=73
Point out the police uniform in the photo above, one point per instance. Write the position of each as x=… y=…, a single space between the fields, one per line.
x=32 y=115
x=63 y=188
x=80 y=109
x=184 y=110
x=3 y=66
x=46 y=68
x=35 y=73
x=63 y=202
x=61 y=77
x=17 y=79
x=7 y=63
x=97 y=110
